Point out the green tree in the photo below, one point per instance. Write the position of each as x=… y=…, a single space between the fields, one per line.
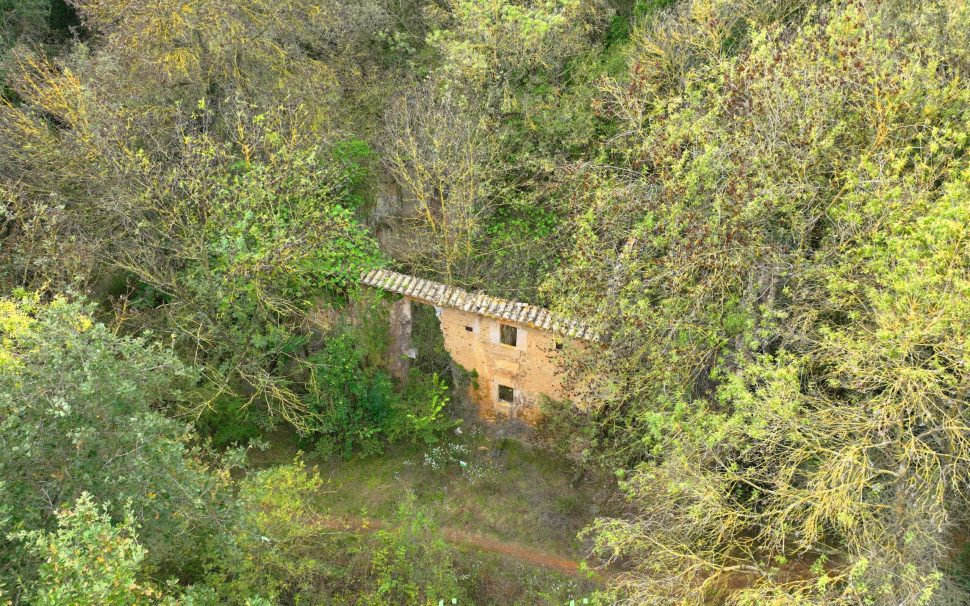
x=282 y=551
x=78 y=413
x=782 y=274
x=289 y=550
x=513 y=37
x=298 y=52
x=89 y=561
x=236 y=231
x=355 y=407
x=257 y=234
x=443 y=152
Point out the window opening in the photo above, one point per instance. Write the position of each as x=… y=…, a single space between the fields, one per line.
x=508 y=335
x=506 y=393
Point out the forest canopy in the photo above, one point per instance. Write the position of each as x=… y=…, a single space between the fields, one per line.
x=764 y=208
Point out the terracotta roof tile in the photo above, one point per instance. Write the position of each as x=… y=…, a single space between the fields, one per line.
x=435 y=293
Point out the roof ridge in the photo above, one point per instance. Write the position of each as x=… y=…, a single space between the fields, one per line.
x=443 y=295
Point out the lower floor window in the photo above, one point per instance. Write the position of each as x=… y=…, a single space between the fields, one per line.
x=505 y=393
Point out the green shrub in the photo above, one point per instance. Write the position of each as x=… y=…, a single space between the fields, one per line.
x=427 y=338
x=356 y=160
x=280 y=552
x=353 y=407
x=564 y=429
x=88 y=561
x=423 y=403
x=228 y=421
x=411 y=563
x=288 y=552
x=79 y=413
x=356 y=407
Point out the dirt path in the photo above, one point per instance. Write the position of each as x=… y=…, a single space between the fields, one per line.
x=463 y=538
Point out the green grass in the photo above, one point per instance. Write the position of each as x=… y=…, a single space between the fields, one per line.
x=493 y=580
x=508 y=491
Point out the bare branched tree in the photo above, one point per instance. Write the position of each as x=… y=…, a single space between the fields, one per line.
x=443 y=155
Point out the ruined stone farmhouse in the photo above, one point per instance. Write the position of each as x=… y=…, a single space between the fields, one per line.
x=513 y=348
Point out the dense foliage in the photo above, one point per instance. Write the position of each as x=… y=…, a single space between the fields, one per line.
x=78 y=414
x=783 y=277
x=356 y=408
x=89 y=561
x=762 y=206
x=80 y=418
x=287 y=552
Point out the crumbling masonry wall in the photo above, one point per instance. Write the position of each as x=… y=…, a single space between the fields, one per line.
x=512 y=373
x=530 y=367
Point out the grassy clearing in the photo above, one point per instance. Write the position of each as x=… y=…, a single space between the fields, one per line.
x=506 y=491
x=493 y=580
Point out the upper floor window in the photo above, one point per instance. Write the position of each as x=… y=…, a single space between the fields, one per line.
x=508 y=335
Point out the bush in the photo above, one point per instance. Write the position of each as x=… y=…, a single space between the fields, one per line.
x=288 y=552
x=564 y=429
x=79 y=414
x=353 y=408
x=411 y=563
x=228 y=421
x=356 y=408
x=88 y=561
x=281 y=551
x=423 y=405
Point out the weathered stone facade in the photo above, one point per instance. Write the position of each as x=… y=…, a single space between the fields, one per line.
x=513 y=349
x=529 y=367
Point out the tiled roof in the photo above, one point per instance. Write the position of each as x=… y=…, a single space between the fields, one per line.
x=442 y=295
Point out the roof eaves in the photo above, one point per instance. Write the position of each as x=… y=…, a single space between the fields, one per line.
x=444 y=295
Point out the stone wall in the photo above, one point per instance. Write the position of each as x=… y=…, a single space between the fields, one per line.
x=400 y=352
x=529 y=368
